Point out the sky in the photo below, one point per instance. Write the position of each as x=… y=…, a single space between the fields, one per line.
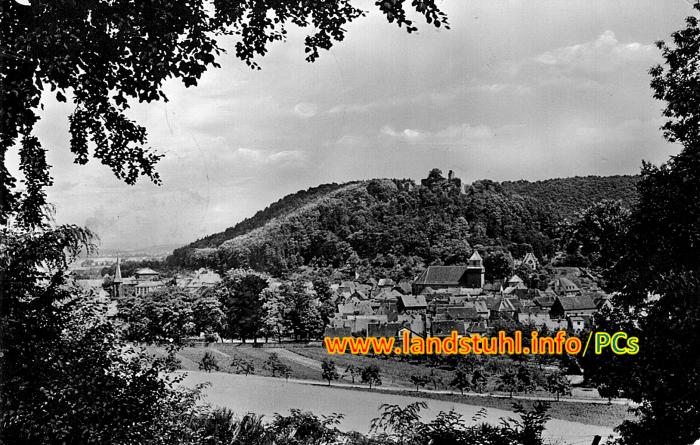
x=516 y=89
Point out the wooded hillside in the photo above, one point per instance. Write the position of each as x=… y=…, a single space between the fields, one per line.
x=402 y=226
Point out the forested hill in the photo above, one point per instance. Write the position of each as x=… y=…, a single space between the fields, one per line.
x=566 y=196
x=283 y=206
x=401 y=226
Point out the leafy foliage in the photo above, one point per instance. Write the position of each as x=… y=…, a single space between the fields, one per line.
x=558 y=384
x=371 y=375
x=658 y=274
x=67 y=376
x=104 y=55
x=329 y=371
x=208 y=362
x=240 y=295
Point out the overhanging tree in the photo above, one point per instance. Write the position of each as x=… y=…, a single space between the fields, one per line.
x=658 y=274
x=104 y=55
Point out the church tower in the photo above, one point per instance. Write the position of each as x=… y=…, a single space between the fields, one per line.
x=475 y=271
x=117 y=290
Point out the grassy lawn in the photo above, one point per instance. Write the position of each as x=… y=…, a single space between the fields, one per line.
x=396 y=373
x=224 y=354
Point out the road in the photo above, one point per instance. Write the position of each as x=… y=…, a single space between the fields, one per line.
x=266 y=395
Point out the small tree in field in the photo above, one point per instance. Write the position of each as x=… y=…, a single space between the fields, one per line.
x=330 y=372
x=371 y=375
x=208 y=362
x=353 y=371
x=508 y=381
x=558 y=384
x=285 y=371
x=461 y=381
x=609 y=391
x=434 y=379
x=242 y=366
x=419 y=380
x=273 y=364
x=479 y=380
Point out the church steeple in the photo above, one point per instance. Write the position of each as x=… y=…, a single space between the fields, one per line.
x=118 y=273
x=475 y=271
x=117 y=281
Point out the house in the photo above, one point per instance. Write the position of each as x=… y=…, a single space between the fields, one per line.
x=514 y=281
x=501 y=308
x=530 y=260
x=202 y=279
x=564 y=286
x=404 y=287
x=386 y=283
x=477 y=327
x=387 y=330
x=144 y=281
x=359 y=324
x=578 y=323
x=146 y=274
x=388 y=308
x=545 y=301
x=445 y=328
x=146 y=287
x=337 y=332
x=356 y=308
x=540 y=318
x=567 y=306
x=412 y=303
x=388 y=295
x=518 y=289
x=465 y=313
x=482 y=309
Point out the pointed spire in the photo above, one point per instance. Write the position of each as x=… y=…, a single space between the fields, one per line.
x=118 y=273
x=475 y=256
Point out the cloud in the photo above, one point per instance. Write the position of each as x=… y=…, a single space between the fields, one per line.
x=256 y=156
x=408 y=134
x=605 y=53
x=306 y=109
x=452 y=135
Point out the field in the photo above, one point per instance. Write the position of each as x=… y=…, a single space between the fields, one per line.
x=304 y=362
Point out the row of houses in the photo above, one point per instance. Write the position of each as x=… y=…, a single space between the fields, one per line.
x=443 y=299
x=146 y=280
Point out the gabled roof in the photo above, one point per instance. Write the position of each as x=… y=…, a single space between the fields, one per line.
x=442 y=275
x=148 y=284
x=576 y=303
x=445 y=327
x=356 y=308
x=385 y=282
x=413 y=301
x=403 y=287
x=514 y=280
x=462 y=313
x=387 y=295
x=146 y=271
x=475 y=256
x=384 y=329
x=566 y=284
x=546 y=301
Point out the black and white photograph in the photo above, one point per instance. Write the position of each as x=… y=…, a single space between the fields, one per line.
x=350 y=222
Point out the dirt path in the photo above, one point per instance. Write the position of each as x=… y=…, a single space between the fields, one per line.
x=297 y=358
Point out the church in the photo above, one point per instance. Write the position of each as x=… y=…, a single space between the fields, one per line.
x=470 y=276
